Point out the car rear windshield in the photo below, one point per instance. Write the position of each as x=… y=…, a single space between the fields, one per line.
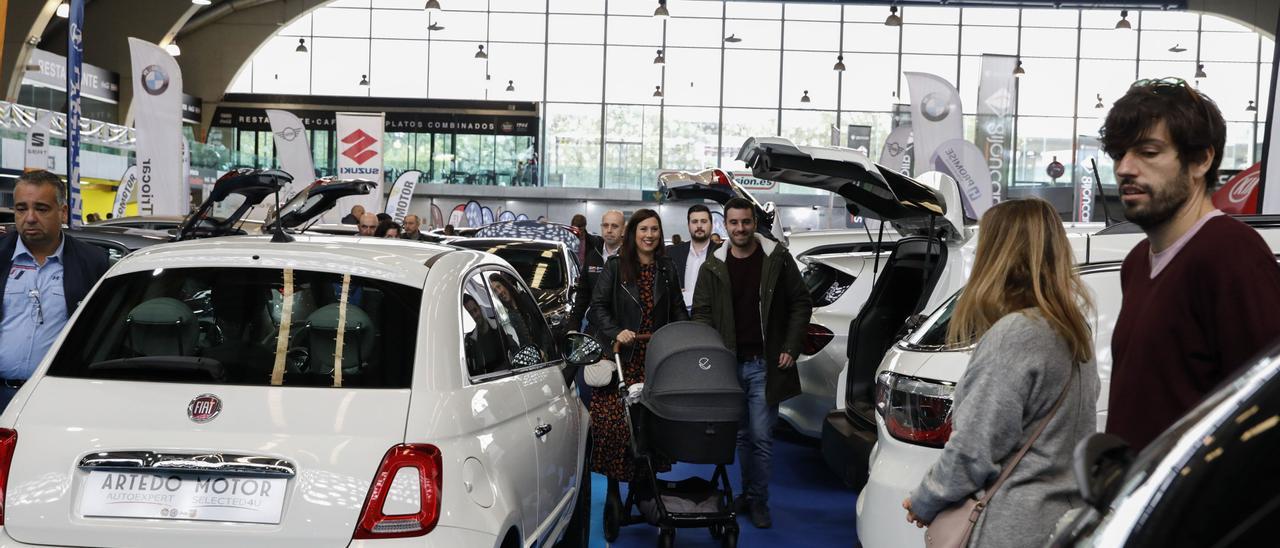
x=225 y=326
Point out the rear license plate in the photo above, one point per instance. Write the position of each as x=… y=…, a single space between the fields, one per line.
x=201 y=497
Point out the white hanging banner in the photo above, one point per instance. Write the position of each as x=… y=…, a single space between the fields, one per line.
x=37 y=156
x=897 y=153
x=965 y=163
x=124 y=193
x=997 y=100
x=292 y=149
x=360 y=156
x=157 y=108
x=401 y=194
x=936 y=115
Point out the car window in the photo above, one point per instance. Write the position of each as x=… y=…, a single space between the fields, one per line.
x=932 y=334
x=541 y=268
x=519 y=317
x=484 y=340
x=224 y=325
x=114 y=252
x=1227 y=492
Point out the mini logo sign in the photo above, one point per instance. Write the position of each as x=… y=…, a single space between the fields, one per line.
x=204 y=408
x=359 y=149
x=154 y=80
x=704 y=363
x=290 y=133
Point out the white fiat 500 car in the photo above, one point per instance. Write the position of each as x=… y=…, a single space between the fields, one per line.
x=916 y=380
x=327 y=391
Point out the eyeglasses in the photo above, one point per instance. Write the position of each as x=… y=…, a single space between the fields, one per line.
x=1172 y=84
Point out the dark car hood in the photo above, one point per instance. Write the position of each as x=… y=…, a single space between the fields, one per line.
x=313 y=202
x=252 y=185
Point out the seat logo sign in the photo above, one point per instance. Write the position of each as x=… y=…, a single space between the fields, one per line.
x=154 y=80
x=704 y=363
x=204 y=408
x=359 y=149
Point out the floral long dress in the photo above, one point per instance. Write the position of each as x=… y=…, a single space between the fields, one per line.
x=610 y=453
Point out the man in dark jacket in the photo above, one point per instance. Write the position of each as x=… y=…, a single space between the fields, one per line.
x=752 y=293
x=47 y=274
x=595 y=254
x=689 y=256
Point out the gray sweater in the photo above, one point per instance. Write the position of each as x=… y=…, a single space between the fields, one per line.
x=1017 y=372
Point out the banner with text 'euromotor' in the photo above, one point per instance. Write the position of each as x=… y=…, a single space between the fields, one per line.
x=402 y=194
x=157 y=107
x=360 y=157
x=124 y=193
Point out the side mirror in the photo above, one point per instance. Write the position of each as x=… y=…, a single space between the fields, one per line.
x=1099 y=462
x=910 y=326
x=583 y=349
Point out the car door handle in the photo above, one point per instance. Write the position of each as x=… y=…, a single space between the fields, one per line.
x=542 y=430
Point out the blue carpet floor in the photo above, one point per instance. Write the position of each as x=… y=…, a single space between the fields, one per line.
x=810 y=506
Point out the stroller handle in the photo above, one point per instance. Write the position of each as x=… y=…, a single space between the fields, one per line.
x=617 y=346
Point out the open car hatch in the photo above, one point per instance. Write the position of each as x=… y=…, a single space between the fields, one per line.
x=315 y=200
x=715 y=185
x=240 y=189
x=870 y=189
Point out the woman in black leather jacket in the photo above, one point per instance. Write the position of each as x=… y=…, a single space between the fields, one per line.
x=637 y=293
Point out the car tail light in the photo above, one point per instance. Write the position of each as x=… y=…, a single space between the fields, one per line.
x=374 y=522
x=8 y=441
x=915 y=410
x=816 y=338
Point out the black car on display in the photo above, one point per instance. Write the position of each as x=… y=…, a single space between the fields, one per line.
x=547 y=266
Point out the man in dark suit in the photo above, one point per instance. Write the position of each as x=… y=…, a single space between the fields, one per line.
x=39 y=263
x=689 y=256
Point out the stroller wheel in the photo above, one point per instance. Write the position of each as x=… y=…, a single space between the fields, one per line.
x=730 y=538
x=612 y=518
x=667 y=537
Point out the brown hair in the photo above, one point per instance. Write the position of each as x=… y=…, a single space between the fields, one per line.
x=1023 y=261
x=628 y=255
x=1195 y=124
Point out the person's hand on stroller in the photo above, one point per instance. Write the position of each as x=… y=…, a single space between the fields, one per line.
x=626 y=337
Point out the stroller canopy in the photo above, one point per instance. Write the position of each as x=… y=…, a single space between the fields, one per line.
x=690 y=375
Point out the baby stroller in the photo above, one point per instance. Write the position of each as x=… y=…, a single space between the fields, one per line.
x=687 y=410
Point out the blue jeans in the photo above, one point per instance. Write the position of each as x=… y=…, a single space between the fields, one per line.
x=755 y=435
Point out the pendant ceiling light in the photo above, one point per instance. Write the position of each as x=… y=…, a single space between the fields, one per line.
x=1123 y=23
x=1200 y=75
x=1251 y=108
x=511 y=85
x=364 y=79
x=1018 y=71
x=434 y=27
x=662 y=9
x=657 y=91
x=732 y=39
x=432 y=5
x=893 y=20
x=805 y=98
x=302 y=46
x=660 y=59
x=480 y=54
x=1099 y=105
x=1177 y=48
x=839 y=63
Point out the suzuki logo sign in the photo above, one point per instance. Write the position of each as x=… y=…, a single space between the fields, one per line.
x=359 y=149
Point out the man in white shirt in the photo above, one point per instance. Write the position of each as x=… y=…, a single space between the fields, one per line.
x=689 y=256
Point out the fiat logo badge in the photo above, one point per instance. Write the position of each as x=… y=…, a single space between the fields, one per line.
x=204 y=408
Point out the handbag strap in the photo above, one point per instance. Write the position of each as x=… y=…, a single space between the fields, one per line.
x=1008 y=468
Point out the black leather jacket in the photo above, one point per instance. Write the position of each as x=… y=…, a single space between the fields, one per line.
x=615 y=305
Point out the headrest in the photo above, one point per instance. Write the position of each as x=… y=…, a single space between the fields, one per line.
x=163 y=326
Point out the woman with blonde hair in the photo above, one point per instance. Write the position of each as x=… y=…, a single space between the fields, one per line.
x=1031 y=383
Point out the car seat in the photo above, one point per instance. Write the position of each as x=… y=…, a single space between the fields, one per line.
x=163 y=326
x=319 y=336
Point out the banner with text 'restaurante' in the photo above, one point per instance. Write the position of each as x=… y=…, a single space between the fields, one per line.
x=997 y=102
x=157 y=107
x=360 y=157
x=293 y=149
x=936 y=115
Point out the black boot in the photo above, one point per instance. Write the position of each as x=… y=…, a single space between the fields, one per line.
x=614 y=494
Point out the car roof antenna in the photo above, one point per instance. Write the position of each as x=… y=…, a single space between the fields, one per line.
x=1101 y=193
x=278 y=235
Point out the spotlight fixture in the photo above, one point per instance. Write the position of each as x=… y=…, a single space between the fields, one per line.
x=63 y=11
x=1200 y=75
x=1251 y=108
x=660 y=59
x=302 y=46
x=201 y=2
x=1177 y=48
x=434 y=27
x=432 y=5
x=173 y=49
x=839 y=63
x=732 y=39
x=1018 y=71
x=805 y=98
x=511 y=85
x=1123 y=23
x=893 y=20
x=364 y=79
x=662 y=9
x=1099 y=105
x=480 y=54
x=657 y=91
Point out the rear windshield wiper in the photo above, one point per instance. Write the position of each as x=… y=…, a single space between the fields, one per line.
x=175 y=367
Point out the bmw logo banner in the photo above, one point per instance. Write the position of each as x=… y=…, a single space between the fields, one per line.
x=936 y=116
x=157 y=104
